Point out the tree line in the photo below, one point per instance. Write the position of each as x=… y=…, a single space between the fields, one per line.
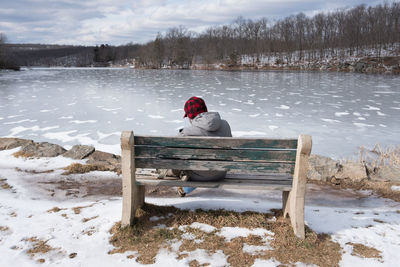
x=311 y=38
x=6 y=60
x=338 y=34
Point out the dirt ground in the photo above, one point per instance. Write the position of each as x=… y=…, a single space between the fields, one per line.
x=93 y=187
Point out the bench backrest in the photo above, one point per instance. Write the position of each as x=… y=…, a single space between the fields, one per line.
x=236 y=155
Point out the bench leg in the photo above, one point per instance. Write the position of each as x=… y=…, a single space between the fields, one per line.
x=141 y=195
x=295 y=201
x=131 y=192
x=285 y=203
x=295 y=209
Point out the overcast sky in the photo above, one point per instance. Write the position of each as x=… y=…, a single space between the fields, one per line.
x=91 y=22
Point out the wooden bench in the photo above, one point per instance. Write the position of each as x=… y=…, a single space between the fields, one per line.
x=279 y=164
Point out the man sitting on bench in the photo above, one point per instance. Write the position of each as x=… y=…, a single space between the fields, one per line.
x=202 y=123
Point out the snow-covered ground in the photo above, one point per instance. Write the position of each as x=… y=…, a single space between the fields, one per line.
x=78 y=227
x=303 y=58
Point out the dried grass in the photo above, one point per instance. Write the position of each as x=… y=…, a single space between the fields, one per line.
x=89 y=219
x=379 y=156
x=364 y=251
x=381 y=189
x=55 y=209
x=4 y=228
x=77 y=210
x=5 y=185
x=287 y=248
x=33 y=171
x=82 y=168
x=38 y=247
x=22 y=154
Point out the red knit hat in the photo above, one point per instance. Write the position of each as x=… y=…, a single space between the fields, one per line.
x=194 y=106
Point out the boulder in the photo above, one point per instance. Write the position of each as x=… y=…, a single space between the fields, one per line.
x=104 y=156
x=105 y=160
x=43 y=149
x=322 y=168
x=354 y=171
x=79 y=152
x=360 y=66
x=386 y=173
x=10 y=143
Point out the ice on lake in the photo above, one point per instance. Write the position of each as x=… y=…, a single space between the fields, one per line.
x=342 y=111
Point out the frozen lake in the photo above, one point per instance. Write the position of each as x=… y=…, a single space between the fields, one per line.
x=341 y=111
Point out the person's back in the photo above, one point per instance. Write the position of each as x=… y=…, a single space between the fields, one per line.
x=207 y=124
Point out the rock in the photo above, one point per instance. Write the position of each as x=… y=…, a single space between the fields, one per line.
x=322 y=168
x=386 y=173
x=104 y=156
x=73 y=255
x=328 y=170
x=105 y=160
x=10 y=143
x=79 y=152
x=43 y=149
x=354 y=171
x=360 y=66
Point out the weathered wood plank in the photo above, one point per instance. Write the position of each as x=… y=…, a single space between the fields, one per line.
x=259 y=176
x=231 y=183
x=236 y=176
x=205 y=165
x=216 y=154
x=216 y=142
x=296 y=196
x=226 y=180
x=129 y=187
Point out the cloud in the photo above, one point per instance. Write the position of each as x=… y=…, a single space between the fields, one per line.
x=116 y=22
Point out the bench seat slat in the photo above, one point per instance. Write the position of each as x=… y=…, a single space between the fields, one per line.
x=220 y=154
x=227 y=183
x=216 y=142
x=259 y=176
x=206 y=165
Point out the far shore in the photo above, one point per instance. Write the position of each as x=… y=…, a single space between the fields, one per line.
x=367 y=65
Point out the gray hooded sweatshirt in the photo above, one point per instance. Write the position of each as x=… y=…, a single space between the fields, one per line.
x=207 y=124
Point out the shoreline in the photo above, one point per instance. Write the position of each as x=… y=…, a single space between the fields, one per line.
x=383 y=179
x=367 y=64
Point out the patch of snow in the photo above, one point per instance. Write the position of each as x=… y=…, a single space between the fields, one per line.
x=246 y=133
x=254 y=250
x=110 y=109
x=254 y=115
x=283 y=107
x=362 y=125
x=232 y=232
x=273 y=127
x=266 y=263
x=330 y=120
x=155 y=116
x=189 y=236
x=17 y=122
x=155 y=218
x=160 y=226
x=395 y=187
x=203 y=227
x=340 y=114
x=175 y=121
x=80 y=122
x=368 y=107
x=19 y=129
